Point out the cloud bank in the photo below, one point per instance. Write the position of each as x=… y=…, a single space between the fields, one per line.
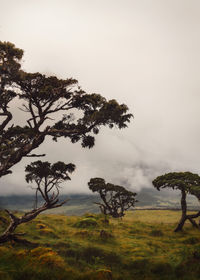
x=142 y=53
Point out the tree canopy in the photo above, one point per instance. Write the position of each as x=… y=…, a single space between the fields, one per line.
x=53 y=107
x=115 y=199
x=47 y=178
x=187 y=183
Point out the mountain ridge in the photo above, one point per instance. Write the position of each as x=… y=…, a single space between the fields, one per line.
x=79 y=204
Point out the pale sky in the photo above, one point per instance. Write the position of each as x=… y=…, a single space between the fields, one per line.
x=144 y=53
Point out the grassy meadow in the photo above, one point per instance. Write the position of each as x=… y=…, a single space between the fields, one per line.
x=141 y=246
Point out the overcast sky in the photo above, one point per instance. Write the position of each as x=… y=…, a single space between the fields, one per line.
x=144 y=53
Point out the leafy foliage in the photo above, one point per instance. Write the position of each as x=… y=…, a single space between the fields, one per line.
x=186 y=181
x=10 y=58
x=79 y=115
x=39 y=170
x=48 y=178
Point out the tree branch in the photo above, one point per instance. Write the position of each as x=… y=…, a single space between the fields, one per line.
x=35 y=155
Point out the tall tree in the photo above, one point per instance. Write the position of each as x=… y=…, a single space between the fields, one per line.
x=115 y=200
x=79 y=115
x=187 y=183
x=48 y=179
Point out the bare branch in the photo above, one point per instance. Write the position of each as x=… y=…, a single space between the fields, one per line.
x=35 y=155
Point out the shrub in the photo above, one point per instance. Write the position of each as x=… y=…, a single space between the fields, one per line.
x=86 y=223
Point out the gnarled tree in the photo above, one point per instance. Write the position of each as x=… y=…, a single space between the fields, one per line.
x=48 y=179
x=187 y=183
x=52 y=107
x=115 y=199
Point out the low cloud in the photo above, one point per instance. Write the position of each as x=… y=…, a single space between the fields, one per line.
x=142 y=53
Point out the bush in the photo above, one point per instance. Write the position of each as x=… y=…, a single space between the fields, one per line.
x=86 y=223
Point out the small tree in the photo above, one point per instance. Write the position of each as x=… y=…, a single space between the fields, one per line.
x=187 y=183
x=115 y=199
x=47 y=178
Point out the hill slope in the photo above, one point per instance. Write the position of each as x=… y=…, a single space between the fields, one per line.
x=141 y=246
x=82 y=203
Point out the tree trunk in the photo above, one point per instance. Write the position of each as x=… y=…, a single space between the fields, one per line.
x=180 y=224
x=192 y=222
x=193 y=216
x=184 y=212
x=9 y=235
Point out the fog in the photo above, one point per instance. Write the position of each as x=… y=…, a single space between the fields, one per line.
x=144 y=53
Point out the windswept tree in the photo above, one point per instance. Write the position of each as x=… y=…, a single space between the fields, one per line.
x=46 y=179
x=115 y=200
x=52 y=108
x=187 y=183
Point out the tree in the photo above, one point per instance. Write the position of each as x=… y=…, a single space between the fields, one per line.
x=47 y=178
x=79 y=116
x=187 y=183
x=115 y=199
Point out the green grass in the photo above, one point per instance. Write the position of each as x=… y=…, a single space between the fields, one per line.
x=141 y=246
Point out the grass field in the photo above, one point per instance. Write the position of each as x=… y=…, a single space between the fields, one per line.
x=142 y=246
